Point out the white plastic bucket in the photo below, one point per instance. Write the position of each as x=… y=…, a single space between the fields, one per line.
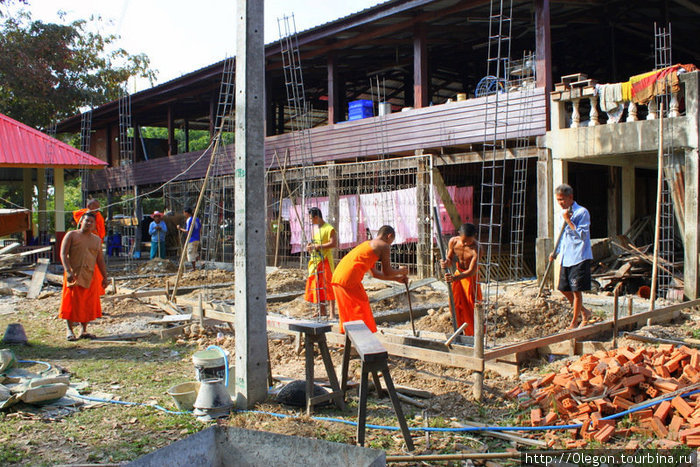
x=209 y=364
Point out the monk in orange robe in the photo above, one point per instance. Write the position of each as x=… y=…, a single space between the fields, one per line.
x=81 y=251
x=93 y=206
x=321 y=265
x=353 y=303
x=464 y=251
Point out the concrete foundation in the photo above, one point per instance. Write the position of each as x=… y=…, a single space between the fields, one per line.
x=224 y=446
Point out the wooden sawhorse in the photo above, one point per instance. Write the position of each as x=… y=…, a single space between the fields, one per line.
x=374 y=358
x=315 y=333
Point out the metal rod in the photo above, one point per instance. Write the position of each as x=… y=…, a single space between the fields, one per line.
x=659 y=196
x=549 y=263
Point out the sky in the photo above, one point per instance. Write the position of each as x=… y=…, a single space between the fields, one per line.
x=181 y=36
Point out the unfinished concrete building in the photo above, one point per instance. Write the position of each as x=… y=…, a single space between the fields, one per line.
x=426 y=61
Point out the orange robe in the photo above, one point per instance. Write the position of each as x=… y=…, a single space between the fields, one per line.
x=464 y=294
x=318 y=284
x=353 y=303
x=80 y=302
x=100 y=231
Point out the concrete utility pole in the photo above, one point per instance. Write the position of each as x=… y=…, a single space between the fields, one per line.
x=251 y=323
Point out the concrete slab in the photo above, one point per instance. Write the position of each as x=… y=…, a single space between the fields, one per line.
x=224 y=446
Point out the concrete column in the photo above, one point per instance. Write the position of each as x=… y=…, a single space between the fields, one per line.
x=41 y=202
x=59 y=200
x=613 y=200
x=249 y=189
x=424 y=245
x=691 y=254
x=333 y=200
x=28 y=196
x=138 y=214
x=691 y=280
x=628 y=190
x=544 y=243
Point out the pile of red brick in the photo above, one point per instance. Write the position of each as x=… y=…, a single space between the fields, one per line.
x=605 y=383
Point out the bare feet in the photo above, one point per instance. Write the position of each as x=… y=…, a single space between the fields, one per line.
x=586 y=316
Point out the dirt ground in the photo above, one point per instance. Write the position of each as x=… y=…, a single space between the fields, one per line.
x=143 y=370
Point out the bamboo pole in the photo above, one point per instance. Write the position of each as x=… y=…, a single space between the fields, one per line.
x=657 y=229
x=194 y=214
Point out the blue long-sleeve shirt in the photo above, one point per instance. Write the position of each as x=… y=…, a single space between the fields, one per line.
x=155 y=234
x=575 y=245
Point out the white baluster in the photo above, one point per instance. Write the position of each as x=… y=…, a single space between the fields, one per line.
x=594 y=111
x=575 y=114
x=632 y=112
x=673 y=106
x=652 y=107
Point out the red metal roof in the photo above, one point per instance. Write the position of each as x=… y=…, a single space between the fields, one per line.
x=23 y=146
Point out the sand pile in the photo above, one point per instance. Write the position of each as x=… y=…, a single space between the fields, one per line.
x=158 y=266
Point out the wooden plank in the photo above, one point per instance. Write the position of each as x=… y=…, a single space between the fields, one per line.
x=170 y=319
x=394 y=291
x=450 y=207
x=8 y=248
x=38 y=278
x=586 y=331
x=365 y=342
x=506 y=436
x=140 y=294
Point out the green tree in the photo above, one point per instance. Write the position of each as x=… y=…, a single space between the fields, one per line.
x=48 y=71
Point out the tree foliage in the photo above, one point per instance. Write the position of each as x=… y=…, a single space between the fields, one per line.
x=49 y=71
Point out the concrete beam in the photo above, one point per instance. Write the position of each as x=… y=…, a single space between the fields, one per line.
x=691 y=258
x=249 y=263
x=545 y=208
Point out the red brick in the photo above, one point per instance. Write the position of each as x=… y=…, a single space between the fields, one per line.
x=597 y=380
x=689 y=432
x=642 y=414
x=652 y=392
x=695 y=360
x=633 y=380
x=681 y=406
x=659 y=428
x=632 y=445
x=663 y=410
x=536 y=417
x=625 y=392
x=549 y=419
x=675 y=426
x=547 y=379
x=693 y=441
x=665 y=348
x=662 y=372
x=621 y=403
x=666 y=386
x=561 y=380
x=604 y=434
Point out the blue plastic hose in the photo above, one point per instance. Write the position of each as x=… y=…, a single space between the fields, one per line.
x=216 y=347
x=465 y=429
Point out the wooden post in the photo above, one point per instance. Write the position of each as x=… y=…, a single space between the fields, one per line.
x=657 y=229
x=333 y=201
x=479 y=349
x=172 y=144
x=249 y=189
x=421 y=85
x=616 y=303
x=41 y=203
x=424 y=246
x=335 y=112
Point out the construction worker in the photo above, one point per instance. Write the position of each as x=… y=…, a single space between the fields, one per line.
x=321 y=265
x=193 y=244
x=464 y=251
x=576 y=253
x=157 y=229
x=353 y=303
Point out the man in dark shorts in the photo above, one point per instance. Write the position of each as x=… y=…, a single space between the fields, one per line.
x=576 y=254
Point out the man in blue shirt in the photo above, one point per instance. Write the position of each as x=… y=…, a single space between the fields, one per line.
x=157 y=230
x=576 y=254
x=193 y=244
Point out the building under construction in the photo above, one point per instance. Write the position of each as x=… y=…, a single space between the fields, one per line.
x=381 y=115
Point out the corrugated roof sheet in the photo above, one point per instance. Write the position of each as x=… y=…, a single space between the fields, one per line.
x=23 y=146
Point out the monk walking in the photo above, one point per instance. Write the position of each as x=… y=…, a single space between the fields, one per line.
x=81 y=250
x=321 y=266
x=353 y=303
x=464 y=251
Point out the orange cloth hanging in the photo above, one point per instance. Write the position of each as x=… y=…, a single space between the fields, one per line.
x=353 y=303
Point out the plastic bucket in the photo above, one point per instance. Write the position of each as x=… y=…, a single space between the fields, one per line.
x=184 y=394
x=209 y=364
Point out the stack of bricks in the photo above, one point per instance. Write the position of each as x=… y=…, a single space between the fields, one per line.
x=606 y=383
